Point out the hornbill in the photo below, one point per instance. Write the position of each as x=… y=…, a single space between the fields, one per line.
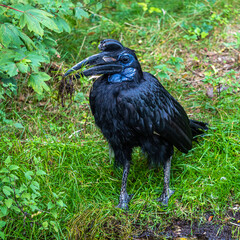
x=132 y=108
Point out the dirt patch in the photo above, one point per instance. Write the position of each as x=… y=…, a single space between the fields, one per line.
x=210 y=230
x=196 y=231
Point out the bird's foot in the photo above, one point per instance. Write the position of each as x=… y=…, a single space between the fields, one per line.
x=124 y=199
x=166 y=194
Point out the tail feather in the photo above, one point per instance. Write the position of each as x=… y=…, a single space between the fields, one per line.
x=198 y=128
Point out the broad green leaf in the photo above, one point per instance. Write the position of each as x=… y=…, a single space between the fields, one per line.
x=54 y=214
x=154 y=9
x=2 y=224
x=204 y=34
x=34 y=186
x=22 y=67
x=13 y=177
x=50 y=41
x=27 y=41
x=18 y=125
x=197 y=31
x=8 y=202
x=62 y=24
x=50 y=205
x=13 y=83
x=22 y=6
x=98 y=6
x=34 y=17
x=8 y=160
x=28 y=174
x=9 y=68
x=31 y=22
x=23 y=187
x=9 y=35
x=44 y=18
x=2 y=10
x=6 y=55
x=40 y=172
x=45 y=224
x=36 y=59
x=37 y=82
x=33 y=207
x=4 y=210
x=60 y=203
x=26 y=195
x=13 y=167
x=143 y=5
x=80 y=13
x=2 y=235
x=53 y=223
x=4 y=170
x=53 y=51
x=5 y=180
x=5 y=35
x=163 y=75
x=16 y=209
x=7 y=190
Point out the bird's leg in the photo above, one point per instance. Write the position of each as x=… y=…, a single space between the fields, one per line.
x=124 y=198
x=167 y=192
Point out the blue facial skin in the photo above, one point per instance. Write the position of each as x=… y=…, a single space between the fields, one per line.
x=128 y=72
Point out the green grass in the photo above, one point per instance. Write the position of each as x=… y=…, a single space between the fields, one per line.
x=77 y=165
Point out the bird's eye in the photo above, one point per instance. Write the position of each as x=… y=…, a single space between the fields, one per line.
x=125 y=59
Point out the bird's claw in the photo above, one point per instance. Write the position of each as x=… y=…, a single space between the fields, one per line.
x=166 y=194
x=124 y=200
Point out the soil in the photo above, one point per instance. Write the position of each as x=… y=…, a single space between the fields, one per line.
x=210 y=230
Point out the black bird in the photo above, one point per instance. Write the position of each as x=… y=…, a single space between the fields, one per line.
x=132 y=109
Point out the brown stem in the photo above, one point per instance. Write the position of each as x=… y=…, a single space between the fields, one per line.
x=11 y=8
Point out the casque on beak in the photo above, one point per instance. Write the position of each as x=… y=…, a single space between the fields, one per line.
x=103 y=63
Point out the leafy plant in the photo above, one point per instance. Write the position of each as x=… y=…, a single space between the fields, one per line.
x=221 y=83
x=164 y=71
x=27 y=38
x=21 y=197
x=234 y=44
x=201 y=28
x=150 y=9
x=177 y=62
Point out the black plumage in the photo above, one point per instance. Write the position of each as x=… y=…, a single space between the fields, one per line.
x=132 y=109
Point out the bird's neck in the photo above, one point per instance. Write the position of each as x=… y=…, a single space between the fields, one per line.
x=127 y=75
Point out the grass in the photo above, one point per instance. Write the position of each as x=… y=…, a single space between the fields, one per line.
x=77 y=166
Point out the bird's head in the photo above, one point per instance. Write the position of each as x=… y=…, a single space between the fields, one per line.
x=117 y=62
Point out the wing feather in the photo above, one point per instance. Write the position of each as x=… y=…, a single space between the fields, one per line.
x=152 y=110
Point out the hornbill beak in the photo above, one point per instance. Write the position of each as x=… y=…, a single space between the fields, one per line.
x=103 y=63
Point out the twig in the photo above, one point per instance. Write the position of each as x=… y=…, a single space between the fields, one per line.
x=99 y=15
x=135 y=26
x=80 y=50
x=235 y=224
x=74 y=133
x=59 y=69
x=196 y=73
x=18 y=205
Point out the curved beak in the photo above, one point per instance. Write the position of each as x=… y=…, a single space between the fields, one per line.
x=102 y=63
